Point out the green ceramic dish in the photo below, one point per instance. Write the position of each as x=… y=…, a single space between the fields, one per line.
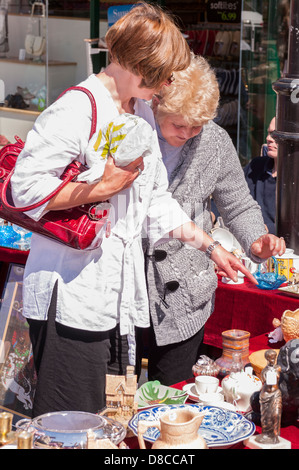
x=153 y=394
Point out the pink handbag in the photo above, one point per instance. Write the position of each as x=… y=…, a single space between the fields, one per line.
x=76 y=227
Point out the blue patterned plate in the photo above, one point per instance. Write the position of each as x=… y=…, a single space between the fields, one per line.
x=220 y=428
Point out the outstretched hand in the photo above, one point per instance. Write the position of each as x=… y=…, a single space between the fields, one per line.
x=268 y=245
x=264 y=247
x=228 y=265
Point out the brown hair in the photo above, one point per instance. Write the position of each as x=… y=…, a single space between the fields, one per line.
x=147 y=42
x=194 y=94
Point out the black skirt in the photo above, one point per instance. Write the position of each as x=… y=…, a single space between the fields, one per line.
x=72 y=364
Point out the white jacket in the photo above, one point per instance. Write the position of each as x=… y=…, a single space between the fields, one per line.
x=99 y=288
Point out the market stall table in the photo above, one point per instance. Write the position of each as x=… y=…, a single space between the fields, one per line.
x=291 y=433
x=241 y=306
x=245 y=307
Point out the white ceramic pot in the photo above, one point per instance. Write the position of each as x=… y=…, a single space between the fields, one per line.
x=238 y=388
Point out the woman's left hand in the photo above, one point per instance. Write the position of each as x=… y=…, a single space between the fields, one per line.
x=268 y=245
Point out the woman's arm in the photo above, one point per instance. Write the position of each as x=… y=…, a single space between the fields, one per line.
x=57 y=138
x=114 y=180
x=228 y=265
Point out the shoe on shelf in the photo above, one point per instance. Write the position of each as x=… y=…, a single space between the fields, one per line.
x=25 y=93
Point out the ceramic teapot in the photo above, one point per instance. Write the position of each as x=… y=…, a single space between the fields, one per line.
x=178 y=430
x=238 y=387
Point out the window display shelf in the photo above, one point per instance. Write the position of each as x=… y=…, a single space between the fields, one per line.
x=56 y=75
x=53 y=77
x=27 y=111
x=16 y=122
x=51 y=63
x=16 y=60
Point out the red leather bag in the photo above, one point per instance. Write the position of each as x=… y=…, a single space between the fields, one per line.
x=76 y=227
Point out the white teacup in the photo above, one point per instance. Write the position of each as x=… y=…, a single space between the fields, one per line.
x=206 y=384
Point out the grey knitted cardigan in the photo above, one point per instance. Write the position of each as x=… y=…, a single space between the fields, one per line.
x=208 y=165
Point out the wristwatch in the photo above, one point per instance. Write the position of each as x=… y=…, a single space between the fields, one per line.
x=212 y=247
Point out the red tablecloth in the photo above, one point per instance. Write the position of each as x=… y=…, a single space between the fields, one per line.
x=245 y=307
x=9 y=255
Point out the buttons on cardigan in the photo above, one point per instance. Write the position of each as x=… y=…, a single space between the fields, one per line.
x=160 y=255
x=169 y=287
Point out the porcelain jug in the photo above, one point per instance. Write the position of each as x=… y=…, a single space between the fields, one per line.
x=178 y=430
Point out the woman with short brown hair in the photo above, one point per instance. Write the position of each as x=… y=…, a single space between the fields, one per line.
x=163 y=48
x=80 y=305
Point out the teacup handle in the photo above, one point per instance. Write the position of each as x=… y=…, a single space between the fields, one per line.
x=142 y=427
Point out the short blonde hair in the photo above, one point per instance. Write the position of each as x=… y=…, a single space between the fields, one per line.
x=194 y=94
x=147 y=42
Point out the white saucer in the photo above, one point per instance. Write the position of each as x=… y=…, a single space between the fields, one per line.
x=194 y=396
x=192 y=392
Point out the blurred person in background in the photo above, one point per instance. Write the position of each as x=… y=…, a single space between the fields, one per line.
x=261 y=175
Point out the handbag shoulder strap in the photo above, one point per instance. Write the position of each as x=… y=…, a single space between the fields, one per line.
x=75 y=171
x=93 y=106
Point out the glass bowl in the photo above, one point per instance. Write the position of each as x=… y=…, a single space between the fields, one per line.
x=269 y=281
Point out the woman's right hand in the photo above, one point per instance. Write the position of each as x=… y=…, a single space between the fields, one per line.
x=117 y=178
x=114 y=179
x=228 y=265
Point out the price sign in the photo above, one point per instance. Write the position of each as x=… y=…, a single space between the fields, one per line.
x=271 y=377
x=116 y=12
x=224 y=11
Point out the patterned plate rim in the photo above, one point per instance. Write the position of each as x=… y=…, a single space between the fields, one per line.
x=133 y=422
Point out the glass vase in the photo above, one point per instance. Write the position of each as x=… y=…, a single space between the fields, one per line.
x=233 y=341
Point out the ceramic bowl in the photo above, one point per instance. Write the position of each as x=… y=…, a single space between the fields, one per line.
x=153 y=393
x=290 y=324
x=258 y=361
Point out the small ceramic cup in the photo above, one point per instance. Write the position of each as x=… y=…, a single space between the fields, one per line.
x=206 y=384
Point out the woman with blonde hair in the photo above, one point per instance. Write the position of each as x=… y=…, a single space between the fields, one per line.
x=201 y=161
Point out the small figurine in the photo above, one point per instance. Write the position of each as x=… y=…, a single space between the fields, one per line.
x=270 y=401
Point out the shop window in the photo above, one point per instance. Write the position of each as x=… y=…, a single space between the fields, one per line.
x=64 y=8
